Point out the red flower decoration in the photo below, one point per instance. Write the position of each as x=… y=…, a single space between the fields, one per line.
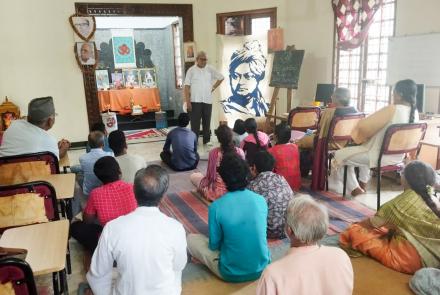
x=124 y=49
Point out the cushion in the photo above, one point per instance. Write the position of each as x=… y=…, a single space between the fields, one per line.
x=22 y=209
x=12 y=173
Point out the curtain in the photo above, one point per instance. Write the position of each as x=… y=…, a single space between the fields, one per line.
x=353 y=19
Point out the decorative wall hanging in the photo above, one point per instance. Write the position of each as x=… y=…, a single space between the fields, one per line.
x=189 y=49
x=123 y=49
x=83 y=25
x=86 y=55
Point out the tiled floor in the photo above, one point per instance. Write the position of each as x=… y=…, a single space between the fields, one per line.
x=180 y=182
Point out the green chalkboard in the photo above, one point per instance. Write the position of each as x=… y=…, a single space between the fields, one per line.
x=285 y=69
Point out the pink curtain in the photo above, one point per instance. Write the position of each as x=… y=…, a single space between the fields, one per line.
x=353 y=19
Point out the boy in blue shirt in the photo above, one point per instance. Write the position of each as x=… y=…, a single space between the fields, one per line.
x=237 y=248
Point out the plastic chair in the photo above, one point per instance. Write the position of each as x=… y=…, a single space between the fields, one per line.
x=398 y=139
x=302 y=118
x=20 y=274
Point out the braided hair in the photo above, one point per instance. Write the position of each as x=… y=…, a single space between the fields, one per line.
x=420 y=176
x=407 y=89
x=251 y=127
x=224 y=136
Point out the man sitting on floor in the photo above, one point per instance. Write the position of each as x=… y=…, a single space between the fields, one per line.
x=308 y=268
x=237 y=249
x=148 y=247
x=183 y=141
x=88 y=160
x=31 y=136
x=100 y=127
x=129 y=164
x=275 y=189
x=107 y=202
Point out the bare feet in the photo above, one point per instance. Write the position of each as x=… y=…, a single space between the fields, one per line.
x=363 y=185
x=357 y=191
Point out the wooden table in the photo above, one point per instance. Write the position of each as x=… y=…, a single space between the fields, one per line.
x=64 y=184
x=46 y=245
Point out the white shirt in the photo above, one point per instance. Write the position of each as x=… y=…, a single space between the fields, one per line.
x=129 y=165
x=149 y=249
x=23 y=137
x=201 y=81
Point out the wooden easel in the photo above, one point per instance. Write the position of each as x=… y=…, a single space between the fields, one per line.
x=273 y=102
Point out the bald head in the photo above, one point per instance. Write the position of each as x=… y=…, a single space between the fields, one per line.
x=96 y=139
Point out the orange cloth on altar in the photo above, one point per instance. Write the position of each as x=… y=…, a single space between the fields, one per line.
x=119 y=99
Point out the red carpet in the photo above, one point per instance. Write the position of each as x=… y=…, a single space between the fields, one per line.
x=146 y=135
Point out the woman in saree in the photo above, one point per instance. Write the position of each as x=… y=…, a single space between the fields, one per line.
x=212 y=186
x=405 y=233
x=369 y=134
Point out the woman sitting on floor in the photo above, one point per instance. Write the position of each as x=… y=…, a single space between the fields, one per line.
x=286 y=157
x=405 y=233
x=239 y=132
x=255 y=141
x=212 y=186
x=369 y=132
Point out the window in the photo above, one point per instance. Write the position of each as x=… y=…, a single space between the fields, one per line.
x=363 y=70
x=177 y=55
x=246 y=22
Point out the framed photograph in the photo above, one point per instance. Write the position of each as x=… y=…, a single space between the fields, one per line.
x=117 y=80
x=131 y=78
x=275 y=40
x=102 y=80
x=83 y=25
x=124 y=52
x=86 y=53
x=234 y=26
x=148 y=77
x=190 y=52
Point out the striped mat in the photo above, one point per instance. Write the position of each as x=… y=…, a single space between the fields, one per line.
x=192 y=210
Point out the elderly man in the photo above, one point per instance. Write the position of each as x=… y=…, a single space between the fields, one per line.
x=308 y=268
x=31 y=136
x=148 y=247
x=200 y=81
x=87 y=54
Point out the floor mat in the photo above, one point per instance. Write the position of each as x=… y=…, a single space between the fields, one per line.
x=146 y=135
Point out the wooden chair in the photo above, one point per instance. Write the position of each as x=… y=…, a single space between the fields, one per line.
x=302 y=118
x=19 y=274
x=398 y=139
x=339 y=134
x=18 y=168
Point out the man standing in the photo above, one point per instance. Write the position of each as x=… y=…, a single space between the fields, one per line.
x=308 y=268
x=149 y=248
x=201 y=80
x=31 y=136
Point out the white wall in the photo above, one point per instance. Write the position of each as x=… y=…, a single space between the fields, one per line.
x=38 y=60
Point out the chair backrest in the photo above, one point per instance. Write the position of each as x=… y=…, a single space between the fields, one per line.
x=16 y=276
x=27 y=203
x=341 y=126
x=301 y=118
x=402 y=138
x=18 y=168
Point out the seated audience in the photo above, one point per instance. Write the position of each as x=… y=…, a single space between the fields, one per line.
x=238 y=132
x=314 y=147
x=426 y=281
x=107 y=202
x=183 y=142
x=31 y=136
x=237 y=248
x=129 y=163
x=212 y=186
x=370 y=131
x=405 y=233
x=149 y=248
x=100 y=127
x=255 y=141
x=286 y=157
x=275 y=189
x=88 y=160
x=308 y=268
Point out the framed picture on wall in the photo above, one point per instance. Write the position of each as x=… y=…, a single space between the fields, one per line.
x=131 y=78
x=148 y=77
x=190 y=52
x=83 y=25
x=234 y=26
x=86 y=53
x=102 y=79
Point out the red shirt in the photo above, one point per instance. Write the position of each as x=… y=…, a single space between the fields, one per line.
x=111 y=200
x=287 y=163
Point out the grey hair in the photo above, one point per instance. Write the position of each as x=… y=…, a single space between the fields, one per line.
x=96 y=139
x=201 y=53
x=150 y=184
x=308 y=219
x=342 y=95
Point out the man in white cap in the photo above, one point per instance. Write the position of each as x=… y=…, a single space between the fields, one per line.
x=31 y=136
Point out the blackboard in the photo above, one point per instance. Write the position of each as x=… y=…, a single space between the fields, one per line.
x=285 y=69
